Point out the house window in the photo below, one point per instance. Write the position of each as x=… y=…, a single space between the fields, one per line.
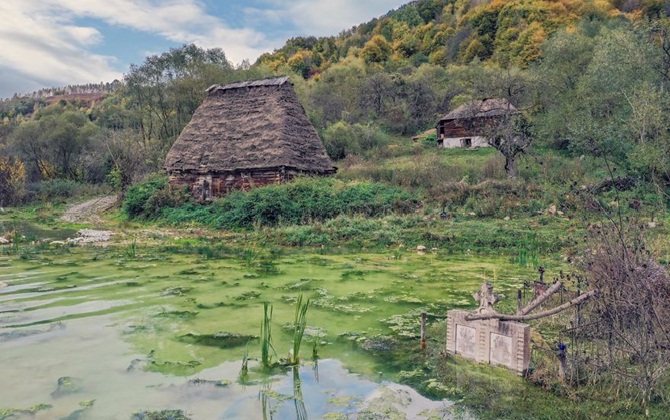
x=466 y=142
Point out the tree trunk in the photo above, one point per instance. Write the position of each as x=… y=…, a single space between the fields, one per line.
x=510 y=166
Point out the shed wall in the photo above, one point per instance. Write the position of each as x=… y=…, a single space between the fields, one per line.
x=453 y=133
x=205 y=187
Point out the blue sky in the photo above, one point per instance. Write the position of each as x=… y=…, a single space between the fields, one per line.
x=46 y=43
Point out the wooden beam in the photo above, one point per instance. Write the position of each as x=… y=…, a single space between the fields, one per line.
x=540 y=299
x=549 y=312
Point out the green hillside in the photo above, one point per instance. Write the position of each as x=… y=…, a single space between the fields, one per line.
x=444 y=32
x=590 y=76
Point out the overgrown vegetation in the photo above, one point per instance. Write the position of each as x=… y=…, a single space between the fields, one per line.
x=300 y=202
x=626 y=328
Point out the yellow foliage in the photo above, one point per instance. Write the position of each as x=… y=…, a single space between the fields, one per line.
x=14 y=168
x=12 y=179
x=376 y=50
x=439 y=57
x=494 y=30
x=474 y=50
x=531 y=40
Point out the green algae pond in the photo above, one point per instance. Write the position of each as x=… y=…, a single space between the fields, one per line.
x=131 y=329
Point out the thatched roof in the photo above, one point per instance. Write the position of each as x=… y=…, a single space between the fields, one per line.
x=493 y=107
x=249 y=125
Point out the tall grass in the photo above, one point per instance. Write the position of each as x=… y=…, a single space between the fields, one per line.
x=131 y=249
x=266 y=336
x=299 y=324
x=528 y=254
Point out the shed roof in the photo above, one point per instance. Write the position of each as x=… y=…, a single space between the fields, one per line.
x=255 y=124
x=275 y=81
x=482 y=108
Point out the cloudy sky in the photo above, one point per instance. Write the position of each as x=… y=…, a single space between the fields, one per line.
x=45 y=43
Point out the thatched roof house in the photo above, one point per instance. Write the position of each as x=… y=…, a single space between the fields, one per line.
x=246 y=134
x=466 y=126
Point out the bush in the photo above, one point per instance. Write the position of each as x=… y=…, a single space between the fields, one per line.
x=302 y=201
x=342 y=139
x=135 y=203
x=163 y=198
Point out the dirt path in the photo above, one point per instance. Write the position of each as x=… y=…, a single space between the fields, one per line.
x=87 y=212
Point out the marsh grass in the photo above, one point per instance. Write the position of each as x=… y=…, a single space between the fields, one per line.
x=244 y=370
x=266 y=337
x=528 y=253
x=130 y=250
x=300 y=322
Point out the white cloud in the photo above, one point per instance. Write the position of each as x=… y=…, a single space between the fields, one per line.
x=43 y=45
x=41 y=51
x=83 y=35
x=324 y=17
x=333 y=16
x=181 y=21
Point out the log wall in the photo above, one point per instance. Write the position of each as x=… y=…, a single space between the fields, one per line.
x=451 y=132
x=205 y=187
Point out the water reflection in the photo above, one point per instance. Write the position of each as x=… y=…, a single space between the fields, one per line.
x=99 y=360
x=271 y=401
x=300 y=410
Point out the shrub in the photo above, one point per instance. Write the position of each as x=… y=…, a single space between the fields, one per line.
x=12 y=180
x=163 y=198
x=342 y=139
x=138 y=195
x=302 y=201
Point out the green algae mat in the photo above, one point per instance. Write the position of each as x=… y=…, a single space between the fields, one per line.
x=165 y=330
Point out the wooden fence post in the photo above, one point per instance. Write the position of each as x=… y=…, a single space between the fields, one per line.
x=423 y=330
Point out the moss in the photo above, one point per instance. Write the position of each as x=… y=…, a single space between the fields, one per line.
x=66 y=385
x=160 y=415
x=9 y=413
x=222 y=340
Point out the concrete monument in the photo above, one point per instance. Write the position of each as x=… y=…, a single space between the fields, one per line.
x=487 y=336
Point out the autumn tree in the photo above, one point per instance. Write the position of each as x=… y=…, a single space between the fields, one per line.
x=12 y=180
x=377 y=50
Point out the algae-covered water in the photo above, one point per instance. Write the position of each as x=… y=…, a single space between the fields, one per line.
x=107 y=332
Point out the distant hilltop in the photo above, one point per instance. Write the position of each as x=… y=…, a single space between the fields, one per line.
x=88 y=91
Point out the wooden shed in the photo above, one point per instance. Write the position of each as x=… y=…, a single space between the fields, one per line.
x=246 y=134
x=470 y=124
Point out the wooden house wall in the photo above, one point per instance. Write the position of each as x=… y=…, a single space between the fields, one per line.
x=453 y=128
x=450 y=133
x=205 y=187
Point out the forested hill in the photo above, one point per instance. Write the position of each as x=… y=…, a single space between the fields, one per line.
x=443 y=32
x=591 y=77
